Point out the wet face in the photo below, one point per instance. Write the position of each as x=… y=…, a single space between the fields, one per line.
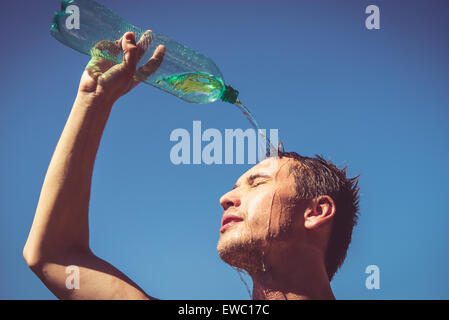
x=261 y=213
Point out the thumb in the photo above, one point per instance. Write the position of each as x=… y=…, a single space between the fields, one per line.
x=130 y=49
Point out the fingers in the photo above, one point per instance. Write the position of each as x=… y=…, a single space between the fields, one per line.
x=144 y=43
x=152 y=64
x=103 y=56
x=130 y=51
x=107 y=50
x=96 y=67
x=110 y=50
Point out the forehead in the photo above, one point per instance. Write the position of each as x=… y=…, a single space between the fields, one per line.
x=272 y=167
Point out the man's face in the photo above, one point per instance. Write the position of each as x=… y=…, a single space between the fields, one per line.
x=262 y=210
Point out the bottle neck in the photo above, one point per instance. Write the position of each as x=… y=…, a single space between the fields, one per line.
x=229 y=95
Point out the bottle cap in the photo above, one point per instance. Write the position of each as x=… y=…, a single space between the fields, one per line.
x=229 y=95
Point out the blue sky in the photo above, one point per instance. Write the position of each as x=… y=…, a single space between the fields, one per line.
x=374 y=100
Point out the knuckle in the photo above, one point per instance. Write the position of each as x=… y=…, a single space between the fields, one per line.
x=131 y=49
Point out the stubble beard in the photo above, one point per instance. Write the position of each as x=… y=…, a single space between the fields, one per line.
x=241 y=250
x=250 y=251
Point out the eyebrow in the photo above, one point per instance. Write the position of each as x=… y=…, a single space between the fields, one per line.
x=253 y=177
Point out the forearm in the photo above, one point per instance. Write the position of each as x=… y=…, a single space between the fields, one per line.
x=59 y=235
x=61 y=219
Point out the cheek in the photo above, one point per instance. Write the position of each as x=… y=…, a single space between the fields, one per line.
x=260 y=211
x=270 y=214
x=258 y=205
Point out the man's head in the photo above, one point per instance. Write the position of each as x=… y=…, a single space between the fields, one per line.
x=288 y=204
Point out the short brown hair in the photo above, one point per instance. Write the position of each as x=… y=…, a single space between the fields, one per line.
x=317 y=177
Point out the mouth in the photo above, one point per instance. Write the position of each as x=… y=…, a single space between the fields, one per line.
x=228 y=222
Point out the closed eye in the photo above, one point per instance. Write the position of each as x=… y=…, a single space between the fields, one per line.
x=258 y=179
x=258 y=183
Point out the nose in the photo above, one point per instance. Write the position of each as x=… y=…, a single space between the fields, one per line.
x=230 y=199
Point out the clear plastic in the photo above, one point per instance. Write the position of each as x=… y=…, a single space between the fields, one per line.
x=185 y=73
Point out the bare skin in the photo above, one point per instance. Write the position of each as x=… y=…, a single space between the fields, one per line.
x=280 y=240
x=59 y=236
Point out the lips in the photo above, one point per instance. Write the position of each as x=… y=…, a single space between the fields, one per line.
x=228 y=221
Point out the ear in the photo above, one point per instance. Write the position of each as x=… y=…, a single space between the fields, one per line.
x=321 y=211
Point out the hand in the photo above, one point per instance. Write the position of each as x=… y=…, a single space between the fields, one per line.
x=108 y=79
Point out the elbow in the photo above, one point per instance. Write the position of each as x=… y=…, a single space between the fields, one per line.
x=32 y=257
x=36 y=258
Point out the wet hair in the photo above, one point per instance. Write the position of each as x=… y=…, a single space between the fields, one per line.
x=318 y=177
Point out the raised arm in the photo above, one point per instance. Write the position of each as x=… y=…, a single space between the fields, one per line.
x=59 y=236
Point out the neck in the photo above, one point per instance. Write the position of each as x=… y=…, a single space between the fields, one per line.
x=303 y=278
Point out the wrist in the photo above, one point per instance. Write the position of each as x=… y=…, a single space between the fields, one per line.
x=94 y=100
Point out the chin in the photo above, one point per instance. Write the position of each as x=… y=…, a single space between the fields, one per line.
x=240 y=251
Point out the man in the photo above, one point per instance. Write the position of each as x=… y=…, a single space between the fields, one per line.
x=288 y=221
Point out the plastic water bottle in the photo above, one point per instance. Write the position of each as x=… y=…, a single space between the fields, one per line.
x=185 y=73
